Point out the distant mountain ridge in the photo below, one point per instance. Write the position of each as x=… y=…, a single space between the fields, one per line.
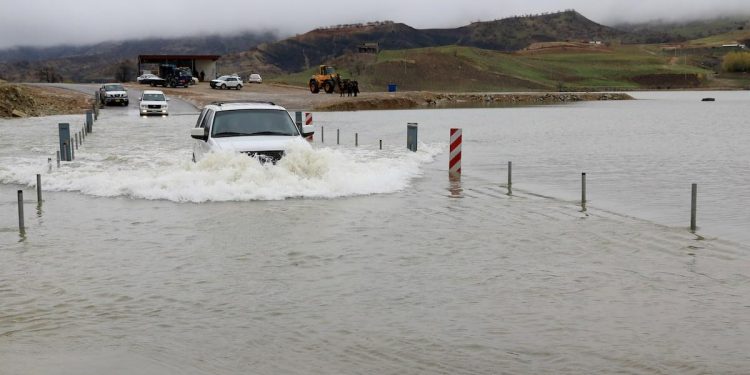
x=507 y=35
x=209 y=45
x=680 y=31
x=98 y=61
x=265 y=53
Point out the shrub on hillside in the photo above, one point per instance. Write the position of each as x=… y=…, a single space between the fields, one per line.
x=736 y=62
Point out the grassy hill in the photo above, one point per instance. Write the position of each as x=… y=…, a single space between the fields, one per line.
x=510 y=34
x=676 y=32
x=549 y=66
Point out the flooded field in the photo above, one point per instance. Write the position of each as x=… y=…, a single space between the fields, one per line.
x=347 y=259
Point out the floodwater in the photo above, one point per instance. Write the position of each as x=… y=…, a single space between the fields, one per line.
x=355 y=260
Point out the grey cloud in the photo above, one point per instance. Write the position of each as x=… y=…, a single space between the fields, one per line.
x=49 y=22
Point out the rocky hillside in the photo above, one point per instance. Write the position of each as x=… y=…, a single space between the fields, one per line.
x=510 y=34
x=98 y=62
x=26 y=101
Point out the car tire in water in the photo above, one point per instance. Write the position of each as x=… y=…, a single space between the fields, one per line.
x=239 y=87
x=223 y=86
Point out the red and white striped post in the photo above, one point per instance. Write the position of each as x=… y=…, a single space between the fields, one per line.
x=309 y=121
x=454 y=162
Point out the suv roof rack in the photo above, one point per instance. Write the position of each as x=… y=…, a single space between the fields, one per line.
x=220 y=103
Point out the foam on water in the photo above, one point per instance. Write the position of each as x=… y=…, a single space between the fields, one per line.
x=303 y=173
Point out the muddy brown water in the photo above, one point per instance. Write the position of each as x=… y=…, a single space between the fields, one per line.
x=356 y=260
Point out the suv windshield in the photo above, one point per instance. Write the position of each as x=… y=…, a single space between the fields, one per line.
x=114 y=88
x=153 y=97
x=252 y=122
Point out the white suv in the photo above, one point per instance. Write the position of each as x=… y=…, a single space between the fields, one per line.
x=226 y=82
x=153 y=102
x=259 y=129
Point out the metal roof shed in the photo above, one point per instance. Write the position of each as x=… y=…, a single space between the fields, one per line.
x=196 y=63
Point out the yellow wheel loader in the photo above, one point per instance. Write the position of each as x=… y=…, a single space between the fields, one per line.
x=326 y=79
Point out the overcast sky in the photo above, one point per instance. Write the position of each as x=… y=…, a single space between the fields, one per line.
x=53 y=22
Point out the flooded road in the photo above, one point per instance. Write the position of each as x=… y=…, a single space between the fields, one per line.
x=351 y=259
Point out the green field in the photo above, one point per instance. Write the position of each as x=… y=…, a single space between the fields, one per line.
x=577 y=67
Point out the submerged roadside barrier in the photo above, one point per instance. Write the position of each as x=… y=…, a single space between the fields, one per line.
x=70 y=142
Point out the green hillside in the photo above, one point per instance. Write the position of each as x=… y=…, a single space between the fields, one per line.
x=554 y=66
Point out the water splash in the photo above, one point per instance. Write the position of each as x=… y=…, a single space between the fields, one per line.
x=303 y=173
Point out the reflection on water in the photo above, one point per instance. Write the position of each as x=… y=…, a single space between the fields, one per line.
x=455 y=186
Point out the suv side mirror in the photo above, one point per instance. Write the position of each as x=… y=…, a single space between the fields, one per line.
x=199 y=133
x=308 y=130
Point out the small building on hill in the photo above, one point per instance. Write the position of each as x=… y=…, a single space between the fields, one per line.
x=196 y=63
x=368 y=48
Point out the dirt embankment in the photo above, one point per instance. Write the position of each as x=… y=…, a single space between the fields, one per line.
x=446 y=100
x=29 y=101
x=23 y=100
x=300 y=98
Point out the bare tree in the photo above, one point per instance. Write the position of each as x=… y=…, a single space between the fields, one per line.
x=124 y=71
x=49 y=74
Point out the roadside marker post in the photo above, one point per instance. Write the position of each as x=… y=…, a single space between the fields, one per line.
x=309 y=121
x=298 y=120
x=21 y=226
x=64 y=132
x=411 y=136
x=583 y=191
x=454 y=161
x=693 y=207
x=89 y=121
x=39 y=188
x=510 y=177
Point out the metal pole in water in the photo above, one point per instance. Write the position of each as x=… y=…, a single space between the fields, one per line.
x=510 y=175
x=322 y=134
x=411 y=136
x=49 y=165
x=64 y=133
x=21 y=227
x=693 y=207
x=356 y=139
x=39 y=188
x=58 y=159
x=337 y=136
x=89 y=120
x=298 y=120
x=75 y=140
x=381 y=144
x=72 y=151
x=583 y=189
